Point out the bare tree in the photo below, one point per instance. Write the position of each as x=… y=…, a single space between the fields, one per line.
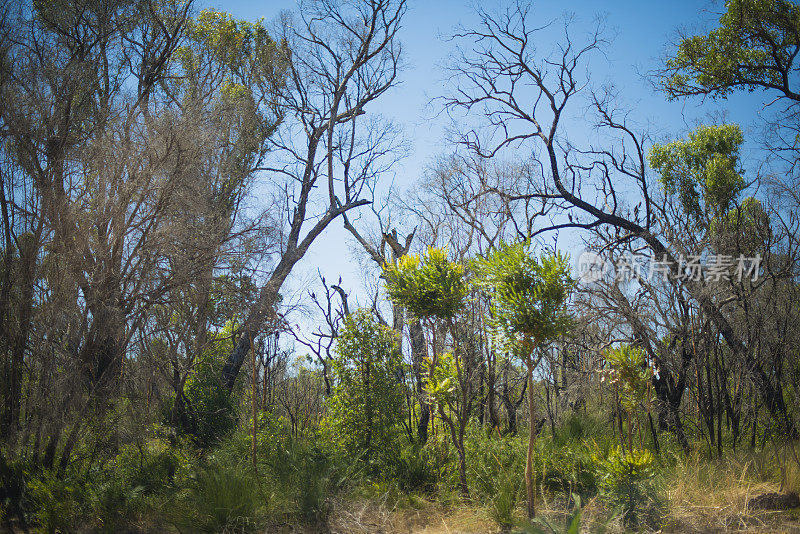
x=343 y=57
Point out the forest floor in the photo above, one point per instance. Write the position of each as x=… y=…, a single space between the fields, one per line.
x=373 y=517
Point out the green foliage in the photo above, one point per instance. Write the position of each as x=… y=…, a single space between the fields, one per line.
x=754 y=44
x=57 y=501
x=566 y=468
x=702 y=171
x=305 y=476
x=247 y=69
x=504 y=501
x=443 y=379
x=493 y=472
x=223 y=497
x=625 y=480
x=294 y=480
x=240 y=45
x=578 y=428
x=124 y=487
x=427 y=286
x=528 y=296
x=745 y=229
x=631 y=374
x=413 y=468
x=114 y=503
x=367 y=405
x=150 y=467
x=213 y=408
x=14 y=496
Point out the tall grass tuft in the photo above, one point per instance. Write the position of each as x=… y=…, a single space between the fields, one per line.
x=222 y=498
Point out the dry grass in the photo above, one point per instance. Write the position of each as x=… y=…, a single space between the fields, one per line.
x=713 y=496
x=386 y=515
x=417 y=516
x=701 y=496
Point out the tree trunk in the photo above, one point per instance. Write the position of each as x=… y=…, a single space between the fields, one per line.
x=529 y=470
x=418 y=350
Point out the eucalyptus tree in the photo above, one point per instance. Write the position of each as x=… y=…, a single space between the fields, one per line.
x=754 y=47
x=135 y=127
x=222 y=90
x=528 y=309
x=100 y=170
x=344 y=56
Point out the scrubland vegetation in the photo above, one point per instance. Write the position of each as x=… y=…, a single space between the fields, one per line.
x=569 y=323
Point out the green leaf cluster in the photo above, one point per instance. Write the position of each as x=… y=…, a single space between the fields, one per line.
x=366 y=407
x=753 y=46
x=245 y=48
x=703 y=170
x=213 y=408
x=625 y=481
x=441 y=386
x=630 y=373
x=428 y=286
x=619 y=465
x=247 y=69
x=528 y=295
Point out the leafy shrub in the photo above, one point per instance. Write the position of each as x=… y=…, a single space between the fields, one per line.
x=151 y=467
x=568 y=468
x=57 y=502
x=298 y=475
x=114 y=503
x=307 y=476
x=495 y=472
x=366 y=408
x=626 y=482
x=502 y=504
x=578 y=428
x=213 y=406
x=14 y=495
x=118 y=493
x=212 y=409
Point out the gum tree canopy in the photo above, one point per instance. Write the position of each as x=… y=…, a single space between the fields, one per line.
x=755 y=46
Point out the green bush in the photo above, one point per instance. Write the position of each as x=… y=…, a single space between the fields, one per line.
x=566 y=469
x=120 y=492
x=508 y=488
x=57 y=502
x=151 y=466
x=212 y=409
x=14 y=495
x=625 y=480
x=114 y=503
x=307 y=476
x=298 y=475
x=578 y=428
x=366 y=408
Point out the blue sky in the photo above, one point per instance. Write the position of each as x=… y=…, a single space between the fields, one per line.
x=641 y=31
